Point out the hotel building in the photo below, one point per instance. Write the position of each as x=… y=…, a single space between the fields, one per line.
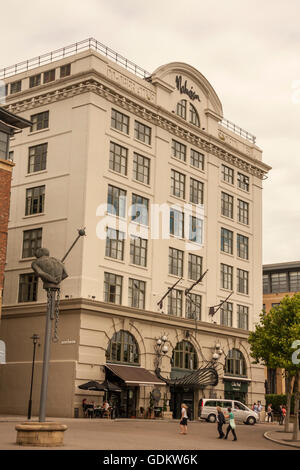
x=116 y=150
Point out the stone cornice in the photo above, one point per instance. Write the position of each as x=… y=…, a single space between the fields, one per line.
x=92 y=307
x=202 y=141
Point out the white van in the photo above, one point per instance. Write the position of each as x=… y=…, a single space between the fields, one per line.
x=242 y=414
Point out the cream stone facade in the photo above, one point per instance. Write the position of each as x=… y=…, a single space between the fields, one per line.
x=79 y=133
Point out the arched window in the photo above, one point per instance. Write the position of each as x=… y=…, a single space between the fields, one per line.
x=123 y=348
x=181 y=109
x=194 y=117
x=235 y=363
x=184 y=356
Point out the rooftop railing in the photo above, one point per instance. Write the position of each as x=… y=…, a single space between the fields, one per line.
x=238 y=130
x=68 y=51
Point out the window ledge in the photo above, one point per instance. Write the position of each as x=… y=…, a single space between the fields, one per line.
x=39 y=131
x=36 y=173
x=33 y=215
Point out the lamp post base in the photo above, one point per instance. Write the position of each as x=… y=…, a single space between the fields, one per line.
x=40 y=434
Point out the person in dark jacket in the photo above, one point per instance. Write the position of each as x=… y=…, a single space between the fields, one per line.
x=221 y=421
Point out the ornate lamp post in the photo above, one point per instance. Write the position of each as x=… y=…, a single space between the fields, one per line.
x=35 y=339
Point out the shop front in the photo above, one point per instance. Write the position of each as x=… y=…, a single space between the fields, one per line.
x=128 y=403
x=235 y=389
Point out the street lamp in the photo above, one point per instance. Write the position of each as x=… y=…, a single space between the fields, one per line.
x=161 y=348
x=35 y=339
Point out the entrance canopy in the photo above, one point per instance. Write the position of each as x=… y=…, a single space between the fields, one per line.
x=134 y=375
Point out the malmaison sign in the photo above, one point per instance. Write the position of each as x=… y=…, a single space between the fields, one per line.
x=182 y=87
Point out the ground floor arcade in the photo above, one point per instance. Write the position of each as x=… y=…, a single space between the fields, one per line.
x=99 y=341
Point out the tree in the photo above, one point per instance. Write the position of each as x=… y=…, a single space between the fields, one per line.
x=273 y=343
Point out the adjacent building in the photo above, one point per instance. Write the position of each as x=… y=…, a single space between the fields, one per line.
x=279 y=280
x=166 y=189
x=10 y=124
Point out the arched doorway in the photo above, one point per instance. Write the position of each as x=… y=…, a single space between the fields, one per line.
x=235 y=376
x=123 y=349
x=184 y=361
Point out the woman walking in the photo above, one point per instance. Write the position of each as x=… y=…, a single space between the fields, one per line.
x=231 y=425
x=184 y=418
x=221 y=421
x=270 y=413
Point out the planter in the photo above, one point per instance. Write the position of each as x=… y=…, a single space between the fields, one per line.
x=40 y=434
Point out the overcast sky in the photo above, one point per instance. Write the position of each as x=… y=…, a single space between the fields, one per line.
x=248 y=50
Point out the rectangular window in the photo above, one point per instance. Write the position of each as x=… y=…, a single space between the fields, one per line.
x=39 y=121
x=178 y=150
x=175 y=303
x=15 y=87
x=115 y=241
x=196 y=191
x=243 y=182
x=193 y=307
x=196 y=230
x=226 y=314
x=177 y=184
x=139 y=209
x=113 y=288
x=176 y=223
x=266 y=284
x=65 y=70
x=227 y=205
x=116 y=201
x=138 y=251
x=279 y=282
x=136 y=293
x=35 y=200
x=175 y=262
x=37 y=158
x=142 y=132
x=243 y=212
x=226 y=241
x=294 y=281
x=226 y=276
x=242 y=246
x=227 y=174
x=119 y=121
x=243 y=317
x=49 y=76
x=197 y=159
x=28 y=284
x=35 y=80
x=194 y=267
x=242 y=281
x=118 y=158
x=141 y=168
x=32 y=239
x=4 y=145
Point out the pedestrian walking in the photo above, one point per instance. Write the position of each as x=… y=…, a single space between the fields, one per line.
x=280 y=415
x=184 y=419
x=221 y=421
x=259 y=409
x=270 y=413
x=284 y=413
x=231 y=425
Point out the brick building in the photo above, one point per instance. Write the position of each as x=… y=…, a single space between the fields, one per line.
x=9 y=125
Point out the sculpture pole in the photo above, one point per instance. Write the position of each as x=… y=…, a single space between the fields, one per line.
x=51 y=292
x=52 y=272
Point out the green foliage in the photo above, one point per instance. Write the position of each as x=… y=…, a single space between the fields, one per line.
x=271 y=342
x=278 y=400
